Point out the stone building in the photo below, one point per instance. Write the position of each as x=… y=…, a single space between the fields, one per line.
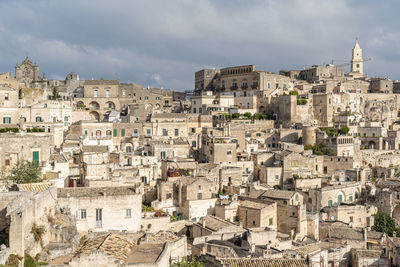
x=253 y=213
x=358 y=216
x=104 y=208
x=28 y=74
x=241 y=79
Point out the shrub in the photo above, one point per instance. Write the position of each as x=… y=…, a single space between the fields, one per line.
x=247 y=115
x=321 y=149
x=330 y=131
x=294 y=93
x=308 y=147
x=13 y=260
x=146 y=208
x=301 y=102
x=9 y=129
x=188 y=263
x=38 y=232
x=344 y=130
x=235 y=116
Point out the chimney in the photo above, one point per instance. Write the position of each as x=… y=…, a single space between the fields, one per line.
x=253 y=248
x=266 y=251
x=365 y=236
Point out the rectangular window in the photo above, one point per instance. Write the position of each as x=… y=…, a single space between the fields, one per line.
x=107 y=93
x=86 y=132
x=229 y=152
x=271 y=220
x=122 y=132
x=163 y=154
x=164 y=132
x=135 y=132
x=123 y=92
x=148 y=132
x=128 y=213
x=176 y=132
x=6 y=120
x=99 y=218
x=83 y=214
x=6 y=96
x=193 y=143
x=115 y=132
x=95 y=93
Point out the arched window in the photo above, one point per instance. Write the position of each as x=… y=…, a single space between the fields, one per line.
x=108 y=133
x=98 y=133
x=38 y=119
x=96 y=93
x=356 y=195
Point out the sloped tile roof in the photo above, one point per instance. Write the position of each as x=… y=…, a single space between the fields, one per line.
x=110 y=244
x=34 y=187
x=261 y=262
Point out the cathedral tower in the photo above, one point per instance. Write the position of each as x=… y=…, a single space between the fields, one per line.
x=357 y=60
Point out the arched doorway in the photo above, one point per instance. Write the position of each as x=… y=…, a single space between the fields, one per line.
x=371 y=145
x=94 y=115
x=396 y=212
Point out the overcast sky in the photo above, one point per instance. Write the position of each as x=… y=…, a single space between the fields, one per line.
x=162 y=43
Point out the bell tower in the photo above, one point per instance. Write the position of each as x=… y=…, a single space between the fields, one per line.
x=357 y=59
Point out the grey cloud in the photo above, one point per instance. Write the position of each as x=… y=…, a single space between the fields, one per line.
x=141 y=40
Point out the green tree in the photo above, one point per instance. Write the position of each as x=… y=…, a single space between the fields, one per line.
x=24 y=172
x=385 y=224
x=293 y=93
x=55 y=95
x=228 y=116
x=344 y=130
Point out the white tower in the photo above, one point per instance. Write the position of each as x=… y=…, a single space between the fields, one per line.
x=357 y=60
